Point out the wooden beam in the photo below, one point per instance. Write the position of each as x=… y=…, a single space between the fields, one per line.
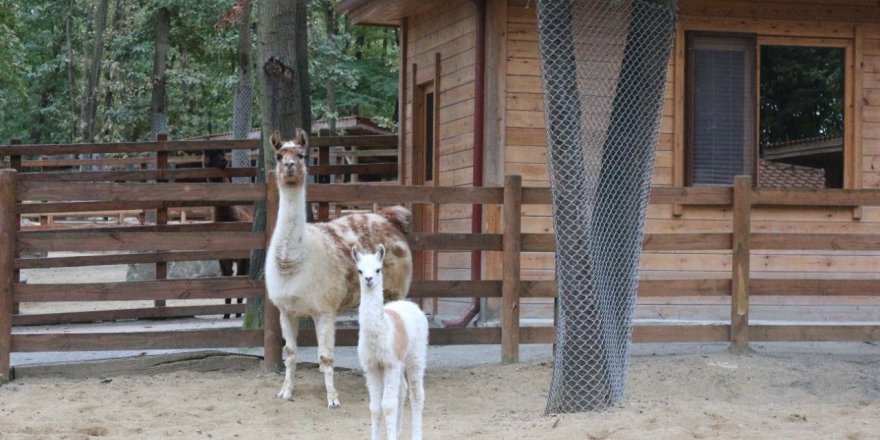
x=83 y=241
x=739 y=307
x=8 y=227
x=129 y=258
x=361 y=193
x=511 y=273
x=196 y=288
x=232 y=337
x=126 y=314
x=141 y=192
x=272 y=338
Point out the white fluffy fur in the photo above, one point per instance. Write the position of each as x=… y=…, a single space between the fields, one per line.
x=392 y=342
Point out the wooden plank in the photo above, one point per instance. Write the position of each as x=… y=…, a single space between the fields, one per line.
x=816 y=197
x=511 y=224
x=138 y=175
x=361 y=193
x=198 y=288
x=178 y=227
x=680 y=333
x=814 y=286
x=692 y=195
x=129 y=258
x=76 y=207
x=364 y=169
x=221 y=338
x=837 y=242
x=681 y=242
x=272 y=337
x=817 y=333
x=678 y=287
x=8 y=225
x=739 y=307
x=454 y=241
x=455 y=289
x=126 y=314
x=82 y=241
x=538 y=243
x=189 y=146
x=141 y=192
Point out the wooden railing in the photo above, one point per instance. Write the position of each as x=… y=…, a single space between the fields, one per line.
x=165 y=243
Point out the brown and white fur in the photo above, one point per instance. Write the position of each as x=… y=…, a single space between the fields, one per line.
x=309 y=271
x=392 y=343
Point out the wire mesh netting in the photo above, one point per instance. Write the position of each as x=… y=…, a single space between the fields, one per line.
x=604 y=65
x=242 y=110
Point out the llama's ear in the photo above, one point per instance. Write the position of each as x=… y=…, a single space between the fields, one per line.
x=381 y=252
x=355 y=254
x=276 y=140
x=302 y=139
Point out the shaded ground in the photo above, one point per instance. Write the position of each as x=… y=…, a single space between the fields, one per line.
x=783 y=392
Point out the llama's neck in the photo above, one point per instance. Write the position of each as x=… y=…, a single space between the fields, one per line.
x=290 y=225
x=371 y=312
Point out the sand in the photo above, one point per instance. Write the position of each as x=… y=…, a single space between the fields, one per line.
x=716 y=395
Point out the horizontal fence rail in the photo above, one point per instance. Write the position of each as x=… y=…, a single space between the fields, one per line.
x=160 y=244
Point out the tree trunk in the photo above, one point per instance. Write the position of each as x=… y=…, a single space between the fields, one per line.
x=244 y=93
x=93 y=78
x=158 y=117
x=284 y=100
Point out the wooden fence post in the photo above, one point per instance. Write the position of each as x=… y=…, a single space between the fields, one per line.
x=272 y=339
x=161 y=213
x=8 y=226
x=15 y=163
x=739 y=299
x=510 y=281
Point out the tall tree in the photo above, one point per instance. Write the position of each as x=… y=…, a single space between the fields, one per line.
x=158 y=116
x=93 y=74
x=284 y=99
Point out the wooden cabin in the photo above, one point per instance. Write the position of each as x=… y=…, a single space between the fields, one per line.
x=447 y=45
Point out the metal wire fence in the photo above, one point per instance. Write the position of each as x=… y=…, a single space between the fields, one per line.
x=604 y=65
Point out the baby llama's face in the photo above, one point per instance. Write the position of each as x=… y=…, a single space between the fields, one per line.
x=369 y=267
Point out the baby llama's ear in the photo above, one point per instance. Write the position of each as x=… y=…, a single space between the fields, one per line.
x=381 y=253
x=355 y=254
x=276 y=140
x=302 y=139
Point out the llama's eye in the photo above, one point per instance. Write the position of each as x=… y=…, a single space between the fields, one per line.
x=278 y=157
x=359 y=272
x=378 y=270
x=301 y=156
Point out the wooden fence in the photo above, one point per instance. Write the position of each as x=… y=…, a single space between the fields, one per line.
x=163 y=243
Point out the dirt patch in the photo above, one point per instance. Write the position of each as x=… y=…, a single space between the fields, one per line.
x=679 y=396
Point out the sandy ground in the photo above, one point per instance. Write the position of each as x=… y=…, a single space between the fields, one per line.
x=768 y=395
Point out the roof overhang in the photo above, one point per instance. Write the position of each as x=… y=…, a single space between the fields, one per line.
x=382 y=12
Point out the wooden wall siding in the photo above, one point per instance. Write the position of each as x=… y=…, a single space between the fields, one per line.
x=448 y=30
x=525 y=149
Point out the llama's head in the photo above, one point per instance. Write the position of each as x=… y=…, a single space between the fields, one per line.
x=215 y=159
x=291 y=157
x=369 y=267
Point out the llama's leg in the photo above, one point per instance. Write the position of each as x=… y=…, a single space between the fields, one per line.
x=401 y=401
x=289 y=329
x=325 y=329
x=416 y=376
x=374 y=387
x=226 y=271
x=390 y=398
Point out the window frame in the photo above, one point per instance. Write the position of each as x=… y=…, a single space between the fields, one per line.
x=850 y=171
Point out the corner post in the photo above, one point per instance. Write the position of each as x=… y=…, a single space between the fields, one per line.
x=15 y=163
x=8 y=226
x=511 y=286
x=739 y=299
x=161 y=213
x=272 y=339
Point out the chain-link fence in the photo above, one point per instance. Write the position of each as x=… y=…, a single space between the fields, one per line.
x=604 y=71
x=242 y=110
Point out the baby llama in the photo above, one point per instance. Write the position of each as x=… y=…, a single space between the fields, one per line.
x=392 y=343
x=309 y=271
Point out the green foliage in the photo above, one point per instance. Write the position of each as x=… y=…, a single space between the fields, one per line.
x=801 y=92
x=44 y=45
x=361 y=61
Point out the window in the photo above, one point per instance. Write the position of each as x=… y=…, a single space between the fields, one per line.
x=773 y=109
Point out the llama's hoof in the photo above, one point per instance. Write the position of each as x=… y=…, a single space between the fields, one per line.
x=285 y=394
x=332 y=403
